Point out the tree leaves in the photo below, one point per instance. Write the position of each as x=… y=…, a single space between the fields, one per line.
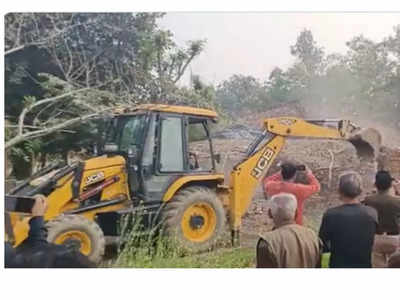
x=110 y=59
x=308 y=53
x=29 y=101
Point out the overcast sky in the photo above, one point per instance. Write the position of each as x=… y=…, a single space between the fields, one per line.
x=255 y=43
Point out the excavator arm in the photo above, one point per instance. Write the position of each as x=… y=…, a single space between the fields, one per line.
x=247 y=174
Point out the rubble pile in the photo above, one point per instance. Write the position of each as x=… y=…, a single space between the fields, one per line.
x=328 y=159
x=236 y=132
x=389 y=160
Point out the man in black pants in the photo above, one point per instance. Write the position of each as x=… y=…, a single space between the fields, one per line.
x=348 y=231
x=36 y=252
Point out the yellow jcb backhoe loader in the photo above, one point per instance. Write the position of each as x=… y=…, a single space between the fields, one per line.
x=146 y=162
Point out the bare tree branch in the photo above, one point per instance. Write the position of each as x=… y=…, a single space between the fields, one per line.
x=37 y=127
x=46 y=131
x=52 y=118
x=182 y=70
x=36 y=119
x=39 y=42
x=42 y=102
x=87 y=106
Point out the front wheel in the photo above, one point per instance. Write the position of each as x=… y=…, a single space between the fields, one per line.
x=195 y=218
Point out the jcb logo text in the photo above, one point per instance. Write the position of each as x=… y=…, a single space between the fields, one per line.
x=262 y=163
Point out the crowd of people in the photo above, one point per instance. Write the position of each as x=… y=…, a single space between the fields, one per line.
x=356 y=234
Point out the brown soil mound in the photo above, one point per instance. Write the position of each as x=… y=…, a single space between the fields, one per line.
x=389 y=160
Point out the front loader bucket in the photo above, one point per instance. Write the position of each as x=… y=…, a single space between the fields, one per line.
x=367 y=143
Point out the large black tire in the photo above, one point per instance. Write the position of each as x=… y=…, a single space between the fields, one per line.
x=195 y=219
x=79 y=231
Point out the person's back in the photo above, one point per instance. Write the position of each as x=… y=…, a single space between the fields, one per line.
x=51 y=256
x=386 y=203
x=348 y=233
x=388 y=207
x=292 y=246
x=283 y=182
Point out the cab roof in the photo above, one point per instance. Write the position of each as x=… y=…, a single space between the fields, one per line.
x=188 y=110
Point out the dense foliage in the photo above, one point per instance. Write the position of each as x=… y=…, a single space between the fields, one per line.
x=61 y=67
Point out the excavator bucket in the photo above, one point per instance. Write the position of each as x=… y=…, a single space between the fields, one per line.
x=367 y=143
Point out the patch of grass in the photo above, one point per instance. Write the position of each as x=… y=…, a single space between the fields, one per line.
x=222 y=258
x=158 y=251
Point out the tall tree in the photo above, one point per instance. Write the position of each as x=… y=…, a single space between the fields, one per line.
x=122 y=55
x=62 y=69
x=308 y=53
x=370 y=63
x=239 y=92
x=279 y=86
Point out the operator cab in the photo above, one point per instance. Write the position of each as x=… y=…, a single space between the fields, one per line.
x=160 y=144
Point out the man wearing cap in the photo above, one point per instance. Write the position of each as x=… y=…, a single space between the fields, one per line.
x=387 y=204
x=284 y=182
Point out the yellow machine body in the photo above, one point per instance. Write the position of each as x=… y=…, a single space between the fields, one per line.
x=177 y=185
x=247 y=175
x=60 y=201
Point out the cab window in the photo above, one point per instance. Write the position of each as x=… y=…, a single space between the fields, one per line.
x=199 y=148
x=171 y=147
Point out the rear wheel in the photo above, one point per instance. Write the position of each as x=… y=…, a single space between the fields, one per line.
x=195 y=218
x=78 y=232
